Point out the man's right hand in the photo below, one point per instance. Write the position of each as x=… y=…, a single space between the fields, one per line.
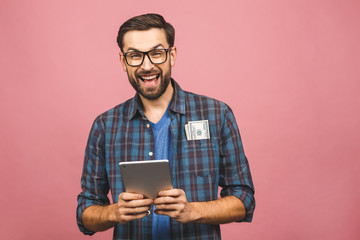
x=131 y=206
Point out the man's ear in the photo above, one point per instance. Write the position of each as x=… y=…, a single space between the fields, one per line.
x=122 y=60
x=173 y=54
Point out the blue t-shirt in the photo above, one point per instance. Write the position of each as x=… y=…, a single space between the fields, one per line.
x=162 y=135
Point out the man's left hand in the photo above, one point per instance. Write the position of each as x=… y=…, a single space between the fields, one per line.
x=173 y=203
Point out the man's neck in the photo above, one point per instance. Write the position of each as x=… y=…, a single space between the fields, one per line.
x=155 y=109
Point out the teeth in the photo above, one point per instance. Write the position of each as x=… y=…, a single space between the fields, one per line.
x=148 y=77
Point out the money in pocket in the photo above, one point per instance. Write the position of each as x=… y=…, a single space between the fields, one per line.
x=197 y=130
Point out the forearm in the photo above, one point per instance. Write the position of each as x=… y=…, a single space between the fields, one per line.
x=98 y=218
x=223 y=210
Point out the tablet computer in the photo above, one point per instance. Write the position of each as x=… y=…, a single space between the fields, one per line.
x=146 y=177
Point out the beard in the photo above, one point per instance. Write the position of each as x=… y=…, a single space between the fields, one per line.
x=151 y=93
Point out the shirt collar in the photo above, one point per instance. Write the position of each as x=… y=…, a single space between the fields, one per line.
x=177 y=103
x=178 y=100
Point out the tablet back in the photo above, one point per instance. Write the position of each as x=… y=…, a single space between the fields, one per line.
x=146 y=177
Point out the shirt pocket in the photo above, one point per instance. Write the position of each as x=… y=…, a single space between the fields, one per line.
x=200 y=157
x=201 y=187
x=198 y=170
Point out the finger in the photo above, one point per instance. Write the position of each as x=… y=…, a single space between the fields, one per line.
x=137 y=210
x=172 y=214
x=166 y=200
x=130 y=196
x=171 y=193
x=131 y=211
x=136 y=203
x=172 y=207
x=128 y=218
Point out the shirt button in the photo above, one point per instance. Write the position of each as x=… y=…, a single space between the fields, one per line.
x=148 y=125
x=150 y=154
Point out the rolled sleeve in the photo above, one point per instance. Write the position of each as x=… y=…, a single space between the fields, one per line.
x=94 y=181
x=235 y=177
x=246 y=196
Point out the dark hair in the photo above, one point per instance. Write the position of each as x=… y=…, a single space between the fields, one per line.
x=146 y=22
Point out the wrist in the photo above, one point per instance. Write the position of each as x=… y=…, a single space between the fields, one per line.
x=108 y=213
x=97 y=218
x=195 y=211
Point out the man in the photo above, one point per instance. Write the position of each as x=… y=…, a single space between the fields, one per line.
x=152 y=126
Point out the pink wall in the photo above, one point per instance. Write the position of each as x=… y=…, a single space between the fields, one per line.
x=289 y=69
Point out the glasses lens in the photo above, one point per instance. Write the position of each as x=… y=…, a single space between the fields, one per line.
x=157 y=56
x=134 y=58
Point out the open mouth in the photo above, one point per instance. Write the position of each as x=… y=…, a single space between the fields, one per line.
x=150 y=80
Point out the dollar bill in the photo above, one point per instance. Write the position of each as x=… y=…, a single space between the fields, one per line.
x=197 y=130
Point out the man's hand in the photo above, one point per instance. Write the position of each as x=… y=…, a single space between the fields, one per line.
x=131 y=206
x=174 y=204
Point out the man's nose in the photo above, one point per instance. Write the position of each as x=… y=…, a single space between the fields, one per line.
x=147 y=65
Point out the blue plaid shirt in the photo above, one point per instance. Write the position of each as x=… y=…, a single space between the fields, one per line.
x=199 y=166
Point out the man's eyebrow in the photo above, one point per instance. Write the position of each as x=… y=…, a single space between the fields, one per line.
x=137 y=50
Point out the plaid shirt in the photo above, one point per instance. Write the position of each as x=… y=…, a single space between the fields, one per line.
x=198 y=167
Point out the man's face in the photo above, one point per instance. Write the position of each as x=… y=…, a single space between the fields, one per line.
x=149 y=80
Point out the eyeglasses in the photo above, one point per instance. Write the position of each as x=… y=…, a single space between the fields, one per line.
x=136 y=58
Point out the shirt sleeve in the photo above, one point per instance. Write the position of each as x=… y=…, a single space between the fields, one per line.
x=94 y=181
x=235 y=177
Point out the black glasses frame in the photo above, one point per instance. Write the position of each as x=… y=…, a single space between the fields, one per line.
x=147 y=54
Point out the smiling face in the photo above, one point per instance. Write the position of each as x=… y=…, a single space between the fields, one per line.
x=149 y=80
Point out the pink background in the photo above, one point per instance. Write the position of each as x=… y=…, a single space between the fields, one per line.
x=290 y=70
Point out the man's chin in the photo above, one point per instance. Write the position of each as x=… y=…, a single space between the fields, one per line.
x=154 y=93
x=151 y=95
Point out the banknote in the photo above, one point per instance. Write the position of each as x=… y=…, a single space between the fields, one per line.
x=197 y=130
